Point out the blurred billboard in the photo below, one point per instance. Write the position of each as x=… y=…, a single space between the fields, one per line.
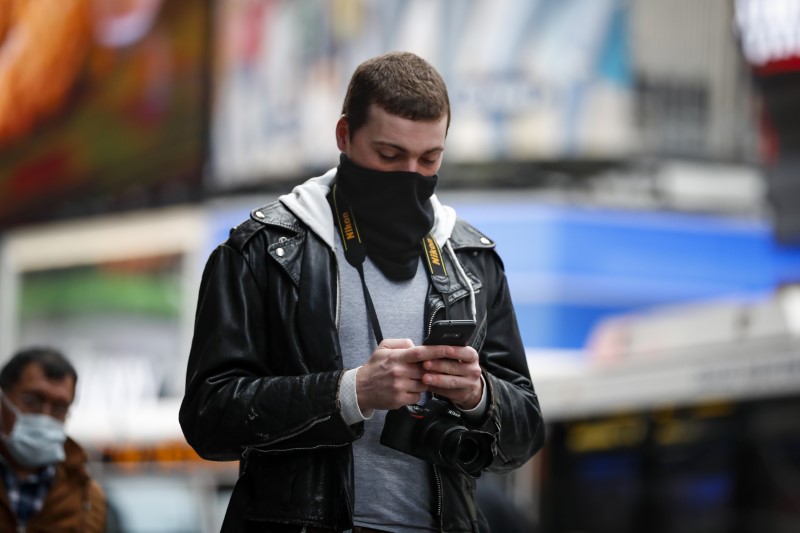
x=528 y=79
x=102 y=105
x=770 y=34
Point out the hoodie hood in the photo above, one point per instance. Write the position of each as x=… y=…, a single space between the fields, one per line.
x=308 y=201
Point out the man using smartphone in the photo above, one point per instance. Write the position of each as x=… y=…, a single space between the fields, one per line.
x=311 y=321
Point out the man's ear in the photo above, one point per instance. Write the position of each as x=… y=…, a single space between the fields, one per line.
x=342 y=134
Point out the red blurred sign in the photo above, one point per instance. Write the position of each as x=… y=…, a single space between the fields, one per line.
x=770 y=34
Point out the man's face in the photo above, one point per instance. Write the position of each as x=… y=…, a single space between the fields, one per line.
x=35 y=393
x=388 y=142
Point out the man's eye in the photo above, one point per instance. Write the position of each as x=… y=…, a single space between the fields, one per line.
x=387 y=157
x=59 y=410
x=31 y=401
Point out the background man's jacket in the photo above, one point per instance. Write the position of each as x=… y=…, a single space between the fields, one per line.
x=75 y=503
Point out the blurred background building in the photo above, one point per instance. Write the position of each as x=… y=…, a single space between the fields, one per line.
x=635 y=160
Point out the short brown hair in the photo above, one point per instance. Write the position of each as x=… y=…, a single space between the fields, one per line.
x=402 y=83
x=52 y=361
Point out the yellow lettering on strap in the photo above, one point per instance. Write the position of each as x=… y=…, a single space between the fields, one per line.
x=433 y=254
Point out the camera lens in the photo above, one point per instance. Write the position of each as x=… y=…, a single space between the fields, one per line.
x=432 y=432
x=468 y=450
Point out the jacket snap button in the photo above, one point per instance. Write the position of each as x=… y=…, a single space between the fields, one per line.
x=259 y=214
x=484 y=240
x=280 y=252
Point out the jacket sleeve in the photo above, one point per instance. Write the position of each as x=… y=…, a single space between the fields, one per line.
x=514 y=415
x=238 y=394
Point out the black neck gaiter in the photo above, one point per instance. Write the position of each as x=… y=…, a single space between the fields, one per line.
x=392 y=211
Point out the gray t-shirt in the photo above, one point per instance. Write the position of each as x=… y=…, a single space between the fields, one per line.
x=393 y=490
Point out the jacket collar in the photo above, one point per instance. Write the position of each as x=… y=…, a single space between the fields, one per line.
x=465 y=236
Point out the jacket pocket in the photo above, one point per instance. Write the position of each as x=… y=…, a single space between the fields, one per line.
x=292 y=487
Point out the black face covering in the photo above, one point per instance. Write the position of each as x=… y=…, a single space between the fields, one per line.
x=393 y=213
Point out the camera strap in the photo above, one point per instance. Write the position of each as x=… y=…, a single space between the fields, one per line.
x=355 y=252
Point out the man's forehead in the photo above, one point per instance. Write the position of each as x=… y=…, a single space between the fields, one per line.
x=403 y=133
x=34 y=377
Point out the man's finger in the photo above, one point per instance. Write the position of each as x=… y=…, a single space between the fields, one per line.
x=444 y=366
x=445 y=381
x=396 y=343
x=419 y=354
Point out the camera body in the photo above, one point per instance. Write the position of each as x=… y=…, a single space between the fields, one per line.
x=435 y=433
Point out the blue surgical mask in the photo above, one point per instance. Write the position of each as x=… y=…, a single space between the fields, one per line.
x=36 y=439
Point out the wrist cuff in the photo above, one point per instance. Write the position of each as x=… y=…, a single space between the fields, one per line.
x=479 y=410
x=348 y=398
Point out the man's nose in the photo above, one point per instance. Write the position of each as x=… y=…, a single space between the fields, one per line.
x=410 y=165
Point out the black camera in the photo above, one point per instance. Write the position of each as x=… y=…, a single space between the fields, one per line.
x=434 y=432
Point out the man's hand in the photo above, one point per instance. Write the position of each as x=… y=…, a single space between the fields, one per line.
x=391 y=378
x=398 y=372
x=457 y=376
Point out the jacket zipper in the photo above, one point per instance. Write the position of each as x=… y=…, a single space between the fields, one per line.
x=438 y=308
x=338 y=293
x=291 y=435
x=287 y=450
x=436 y=475
x=431 y=320
x=439 y=497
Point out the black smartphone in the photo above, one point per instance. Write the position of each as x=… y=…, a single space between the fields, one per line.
x=450 y=332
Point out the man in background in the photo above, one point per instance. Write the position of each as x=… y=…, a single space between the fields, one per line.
x=45 y=484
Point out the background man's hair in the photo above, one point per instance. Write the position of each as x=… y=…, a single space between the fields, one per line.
x=53 y=363
x=402 y=83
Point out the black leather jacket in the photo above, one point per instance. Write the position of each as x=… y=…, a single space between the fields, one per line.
x=265 y=366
